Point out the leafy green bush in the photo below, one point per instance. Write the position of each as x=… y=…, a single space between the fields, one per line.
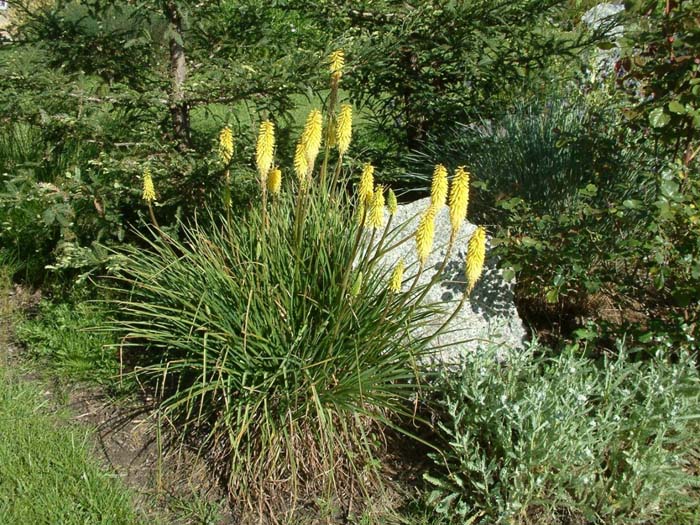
x=661 y=74
x=27 y=168
x=594 y=222
x=624 y=255
x=531 y=438
x=50 y=209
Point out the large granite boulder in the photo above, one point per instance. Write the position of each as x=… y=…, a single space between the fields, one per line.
x=604 y=18
x=487 y=318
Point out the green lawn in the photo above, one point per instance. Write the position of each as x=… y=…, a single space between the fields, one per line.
x=46 y=474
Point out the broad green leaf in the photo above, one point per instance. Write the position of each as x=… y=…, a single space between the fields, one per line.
x=508 y=274
x=48 y=216
x=552 y=296
x=676 y=107
x=528 y=242
x=669 y=188
x=658 y=119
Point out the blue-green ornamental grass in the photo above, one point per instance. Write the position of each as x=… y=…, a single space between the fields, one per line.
x=532 y=438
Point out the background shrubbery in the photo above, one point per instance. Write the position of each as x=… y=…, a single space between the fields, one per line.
x=587 y=181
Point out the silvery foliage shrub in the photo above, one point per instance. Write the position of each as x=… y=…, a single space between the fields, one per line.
x=535 y=438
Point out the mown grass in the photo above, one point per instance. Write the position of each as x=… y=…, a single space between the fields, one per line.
x=46 y=474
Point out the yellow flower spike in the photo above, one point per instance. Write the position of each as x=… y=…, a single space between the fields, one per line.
x=459 y=198
x=311 y=138
x=226 y=145
x=425 y=234
x=301 y=167
x=397 y=277
x=149 y=191
x=265 y=149
x=391 y=202
x=366 y=191
x=344 y=129
x=337 y=62
x=375 y=217
x=476 y=254
x=361 y=215
x=438 y=190
x=274 y=181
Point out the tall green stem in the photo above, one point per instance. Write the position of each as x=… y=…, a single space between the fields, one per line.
x=329 y=128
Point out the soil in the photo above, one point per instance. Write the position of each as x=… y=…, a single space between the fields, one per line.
x=125 y=441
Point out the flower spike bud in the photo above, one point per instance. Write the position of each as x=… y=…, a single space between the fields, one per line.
x=391 y=202
x=344 y=128
x=311 y=138
x=357 y=285
x=149 y=191
x=265 y=149
x=366 y=191
x=375 y=217
x=226 y=145
x=337 y=62
x=301 y=167
x=476 y=254
x=438 y=190
x=425 y=234
x=332 y=132
x=274 y=181
x=361 y=214
x=459 y=198
x=397 y=277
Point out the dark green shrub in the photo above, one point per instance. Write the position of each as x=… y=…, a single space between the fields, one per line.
x=536 y=439
x=661 y=73
x=625 y=256
x=589 y=217
x=419 y=67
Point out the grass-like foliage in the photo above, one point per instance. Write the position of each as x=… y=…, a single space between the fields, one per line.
x=277 y=336
x=264 y=342
x=567 y=439
x=64 y=335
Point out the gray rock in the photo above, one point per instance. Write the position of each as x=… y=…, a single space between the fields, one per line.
x=603 y=18
x=488 y=317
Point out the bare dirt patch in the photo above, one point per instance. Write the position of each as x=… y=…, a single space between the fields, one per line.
x=172 y=478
